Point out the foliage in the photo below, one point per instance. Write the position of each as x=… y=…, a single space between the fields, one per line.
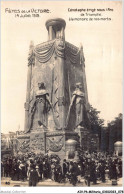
x=115 y=128
x=111 y=134
x=95 y=122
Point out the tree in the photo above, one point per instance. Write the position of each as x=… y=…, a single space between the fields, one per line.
x=116 y=126
x=114 y=129
x=96 y=123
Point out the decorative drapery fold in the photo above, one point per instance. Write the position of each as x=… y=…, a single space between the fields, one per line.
x=43 y=54
x=73 y=53
x=58 y=47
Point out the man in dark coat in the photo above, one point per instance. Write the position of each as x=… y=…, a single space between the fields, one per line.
x=73 y=171
x=65 y=168
x=120 y=167
x=93 y=172
x=102 y=171
x=87 y=173
x=41 y=169
x=58 y=172
x=114 y=170
x=46 y=169
x=6 y=168
x=33 y=176
x=15 y=170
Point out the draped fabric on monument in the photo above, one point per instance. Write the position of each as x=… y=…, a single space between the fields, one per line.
x=61 y=49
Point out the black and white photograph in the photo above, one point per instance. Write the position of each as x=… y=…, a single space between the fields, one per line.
x=61 y=96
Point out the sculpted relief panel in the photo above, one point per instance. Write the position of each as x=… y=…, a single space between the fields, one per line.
x=55 y=143
x=23 y=145
x=37 y=142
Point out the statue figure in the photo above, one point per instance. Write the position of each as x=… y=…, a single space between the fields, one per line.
x=75 y=115
x=41 y=105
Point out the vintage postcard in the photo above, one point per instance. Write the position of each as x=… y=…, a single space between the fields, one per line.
x=61 y=96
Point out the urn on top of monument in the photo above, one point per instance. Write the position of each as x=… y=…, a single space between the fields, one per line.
x=55 y=28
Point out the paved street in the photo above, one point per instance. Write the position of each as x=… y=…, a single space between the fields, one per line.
x=49 y=182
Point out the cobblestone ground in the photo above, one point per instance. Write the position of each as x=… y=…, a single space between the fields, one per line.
x=7 y=182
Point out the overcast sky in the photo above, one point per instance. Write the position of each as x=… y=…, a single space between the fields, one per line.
x=102 y=45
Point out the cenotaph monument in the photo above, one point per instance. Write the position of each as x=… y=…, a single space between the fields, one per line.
x=56 y=107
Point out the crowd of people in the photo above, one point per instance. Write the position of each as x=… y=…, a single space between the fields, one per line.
x=34 y=168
